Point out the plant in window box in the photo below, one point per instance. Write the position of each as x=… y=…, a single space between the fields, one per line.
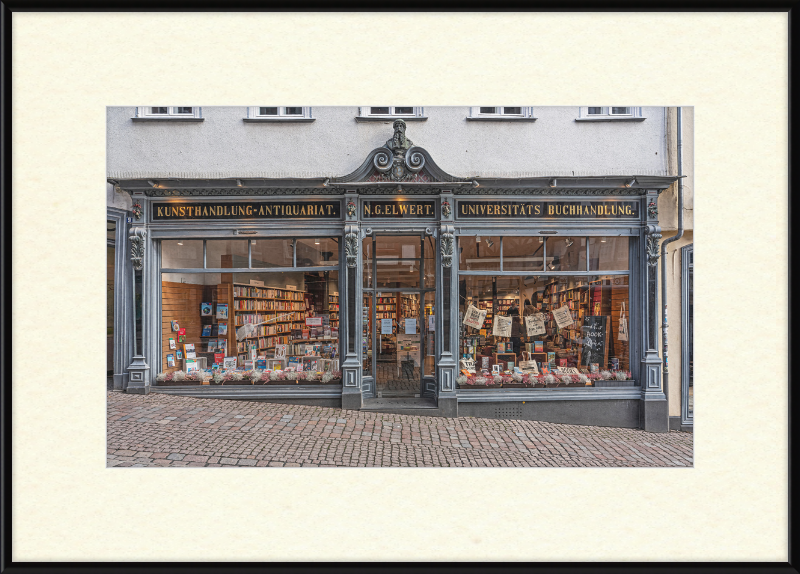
x=461 y=380
x=216 y=378
x=326 y=378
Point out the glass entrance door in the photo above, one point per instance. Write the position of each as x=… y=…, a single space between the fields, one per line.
x=399 y=286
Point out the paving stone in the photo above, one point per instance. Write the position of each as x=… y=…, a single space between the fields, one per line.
x=241 y=433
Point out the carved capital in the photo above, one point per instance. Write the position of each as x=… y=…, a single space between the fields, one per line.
x=351 y=246
x=651 y=244
x=137 y=247
x=447 y=246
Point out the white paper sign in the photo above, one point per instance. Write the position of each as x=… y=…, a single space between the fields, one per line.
x=623 y=324
x=314 y=321
x=411 y=326
x=386 y=326
x=280 y=351
x=431 y=322
x=535 y=324
x=229 y=363
x=474 y=317
x=502 y=326
x=569 y=371
x=563 y=316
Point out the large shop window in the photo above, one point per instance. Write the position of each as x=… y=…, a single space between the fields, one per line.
x=554 y=314
x=272 y=319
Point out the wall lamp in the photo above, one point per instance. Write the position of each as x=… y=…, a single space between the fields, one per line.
x=630 y=183
x=552 y=182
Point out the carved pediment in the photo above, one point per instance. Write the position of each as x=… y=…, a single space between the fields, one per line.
x=398 y=160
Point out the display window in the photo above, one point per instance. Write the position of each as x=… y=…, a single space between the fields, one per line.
x=272 y=319
x=560 y=327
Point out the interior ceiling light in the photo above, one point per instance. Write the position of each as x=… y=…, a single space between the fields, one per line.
x=180 y=243
x=489 y=242
x=568 y=241
x=316 y=242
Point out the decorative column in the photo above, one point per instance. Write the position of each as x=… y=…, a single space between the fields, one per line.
x=653 y=415
x=446 y=295
x=351 y=367
x=138 y=371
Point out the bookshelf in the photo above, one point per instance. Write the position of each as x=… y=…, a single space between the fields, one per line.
x=255 y=304
x=333 y=310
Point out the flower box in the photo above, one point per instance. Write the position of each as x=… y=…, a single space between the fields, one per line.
x=514 y=385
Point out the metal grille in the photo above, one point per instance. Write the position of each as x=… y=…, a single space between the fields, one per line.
x=508 y=412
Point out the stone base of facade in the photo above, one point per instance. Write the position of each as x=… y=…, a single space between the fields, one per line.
x=654 y=416
x=606 y=413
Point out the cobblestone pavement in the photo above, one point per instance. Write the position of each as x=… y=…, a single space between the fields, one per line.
x=163 y=430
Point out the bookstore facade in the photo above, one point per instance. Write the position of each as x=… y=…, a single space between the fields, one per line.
x=528 y=298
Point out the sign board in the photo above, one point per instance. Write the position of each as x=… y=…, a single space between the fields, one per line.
x=386 y=326
x=611 y=209
x=595 y=340
x=245 y=210
x=411 y=326
x=399 y=209
x=314 y=321
x=534 y=324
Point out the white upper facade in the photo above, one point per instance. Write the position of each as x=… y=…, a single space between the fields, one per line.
x=297 y=141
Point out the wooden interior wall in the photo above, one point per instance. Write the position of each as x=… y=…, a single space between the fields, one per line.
x=179 y=302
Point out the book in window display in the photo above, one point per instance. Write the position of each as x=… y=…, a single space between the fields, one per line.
x=223 y=329
x=205 y=309
x=188 y=348
x=172 y=343
x=175 y=326
x=206 y=331
x=170 y=360
x=222 y=310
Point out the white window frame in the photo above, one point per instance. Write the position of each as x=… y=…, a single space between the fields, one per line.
x=254 y=114
x=526 y=114
x=634 y=114
x=365 y=114
x=144 y=113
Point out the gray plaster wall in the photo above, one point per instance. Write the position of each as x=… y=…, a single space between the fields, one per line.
x=334 y=144
x=118 y=199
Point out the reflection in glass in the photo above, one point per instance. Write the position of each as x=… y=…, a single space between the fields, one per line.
x=566 y=254
x=226 y=253
x=608 y=253
x=523 y=254
x=316 y=252
x=271 y=253
x=478 y=253
x=182 y=253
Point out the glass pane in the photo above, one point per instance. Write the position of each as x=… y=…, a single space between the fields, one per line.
x=226 y=253
x=621 y=111
x=242 y=318
x=366 y=335
x=566 y=254
x=367 y=246
x=269 y=111
x=488 y=110
x=110 y=308
x=523 y=253
x=398 y=344
x=182 y=254
x=429 y=322
x=159 y=110
x=591 y=334
x=593 y=111
x=270 y=253
x=384 y=110
x=691 y=340
x=478 y=252
x=317 y=252
x=398 y=260
x=294 y=111
x=183 y=110
x=111 y=230
x=608 y=253
x=407 y=110
x=513 y=111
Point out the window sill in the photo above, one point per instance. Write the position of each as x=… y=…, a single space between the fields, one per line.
x=499 y=119
x=175 y=119
x=278 y=120
x=391 y=118
x=610 y=119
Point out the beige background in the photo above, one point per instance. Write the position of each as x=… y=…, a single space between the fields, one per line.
x=68 y=506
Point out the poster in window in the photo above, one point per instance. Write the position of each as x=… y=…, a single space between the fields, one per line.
x=411 y=326
x=534 y=324
x=502 y=326
x=386 y=326
x=474 y=317
x=563 y=316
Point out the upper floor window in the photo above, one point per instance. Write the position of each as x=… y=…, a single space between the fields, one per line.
x=501 y=113
x=609 y=113
x=185 y=113
x=278 y=114
x=384 y=113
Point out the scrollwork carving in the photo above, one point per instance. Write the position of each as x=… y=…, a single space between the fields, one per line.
x=137 y=247
x=651 y=245
x=351 y=249
x=447 y=249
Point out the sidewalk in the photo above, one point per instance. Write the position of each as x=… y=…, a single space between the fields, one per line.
x=162 y=430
